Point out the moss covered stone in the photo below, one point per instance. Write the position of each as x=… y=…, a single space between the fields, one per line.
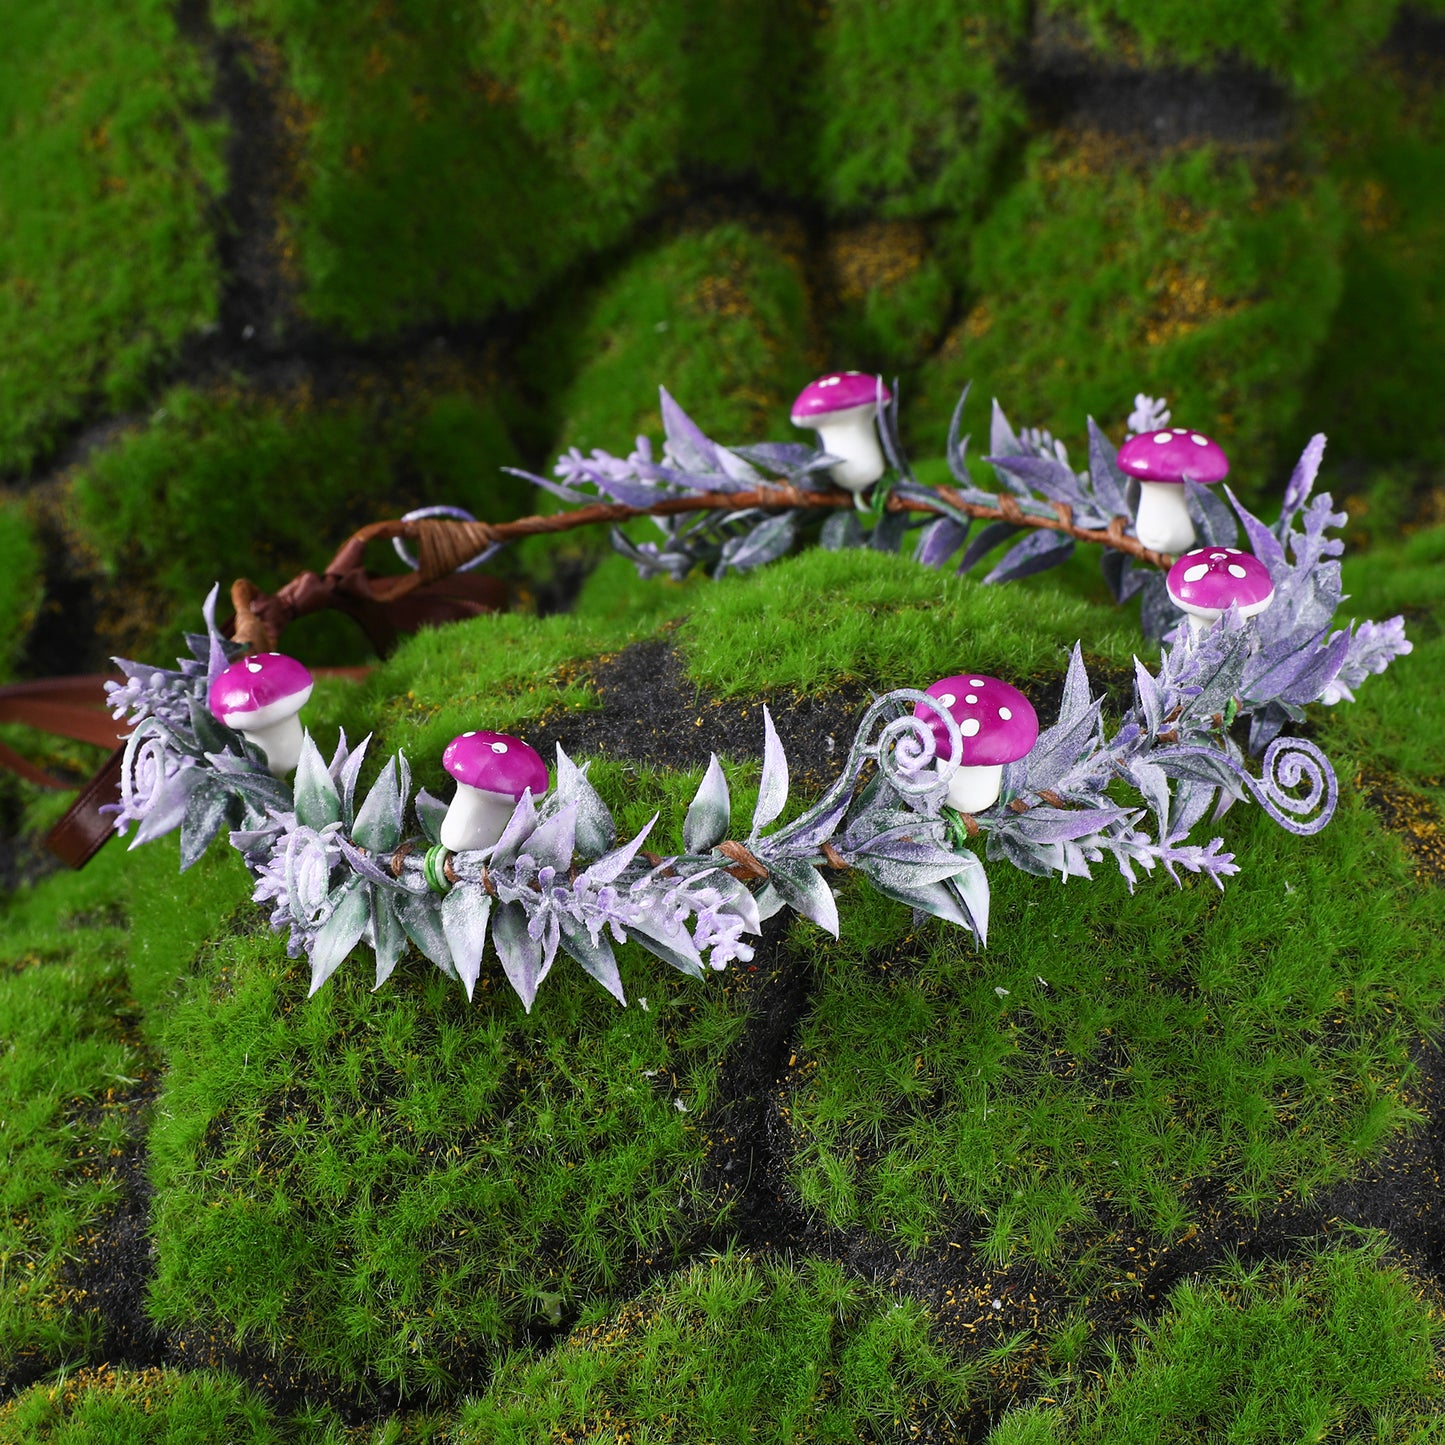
x=107 y=169
x=1199 y=276
x=228 y=483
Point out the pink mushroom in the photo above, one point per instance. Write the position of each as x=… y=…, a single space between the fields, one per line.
x=492 y=770
x=998 y=724
x=260 y=696
x=1208 y=581
x=1163 y=461
x=841 y=407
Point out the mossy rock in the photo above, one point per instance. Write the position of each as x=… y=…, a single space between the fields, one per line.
x=233 y=482
x=1376 y=377
x=108 y=169
x=139 y=1407
x=912 y=105
x=376 y=1194
x=1198 y=276
x=887 y=295
x=1307 y=48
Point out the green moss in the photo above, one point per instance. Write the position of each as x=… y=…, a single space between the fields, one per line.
x=1380 y=371
x=70 y=1059
x=1307 y=44
x=1396 y=723
x=1110 y=1047
x=821 y=618
x=1334 y=1346
x=21 y=582
x=1191 y=277
x=106 y=171
x=913 y=111
x=717 y=317
x=547 y=129
x=893 y=292
x=140 y=1407
x=231 y=484
x=719 y=1347
x=390 y=1183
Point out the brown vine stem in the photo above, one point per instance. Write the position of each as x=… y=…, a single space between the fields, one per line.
x=443 y=545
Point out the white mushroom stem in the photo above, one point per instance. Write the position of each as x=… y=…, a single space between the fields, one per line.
x=275 y=729
x=971 y=790
x=1163 y=523
x=475 y=819
x=851 y=435
x=1201 y=619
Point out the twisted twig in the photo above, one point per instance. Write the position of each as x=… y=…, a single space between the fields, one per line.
x=445 y=544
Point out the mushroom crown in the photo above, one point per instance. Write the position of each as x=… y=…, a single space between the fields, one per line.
x=258 y=681
x=838 y=391
x=1218 y=577
x=997 y=721
x=496 y=763
x=1179 y=455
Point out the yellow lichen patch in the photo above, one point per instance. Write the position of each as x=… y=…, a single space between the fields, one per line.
x=1413 y=818
x=876 y=256
x=1181 y=302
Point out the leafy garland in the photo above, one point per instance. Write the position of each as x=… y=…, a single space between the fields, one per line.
x=337 y=872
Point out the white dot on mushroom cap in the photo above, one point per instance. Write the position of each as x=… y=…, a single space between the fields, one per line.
x=499 y=747
x=253 y=667
x=1233 y=551
x=1195 y=552
x=971 y=697
x=1163 y=437
x=1193 y=574
x=1179 y=431
x=1235 y=570
x=1199 y=441
x=969 y=727
x=830 y=381
x=1006 y=714
x=947 y=699
x=975 y=682
x=471 y=734
x=1217 y=556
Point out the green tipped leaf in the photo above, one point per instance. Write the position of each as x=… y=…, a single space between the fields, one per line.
x=430 y=812
x=521 y=954
x=378 y=823
x=465 y=911
x=596 y=832
x=385 y=934
x=710 y=812
x=804 y=890
x=773 y=787
x=597 y=958
x=341 y=932
x=420 y=915
x=207 y=812
x=318 y=803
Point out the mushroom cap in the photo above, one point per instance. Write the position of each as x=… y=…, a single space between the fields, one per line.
x=838 y=391
x=1175 y=455
x=998 y=723
x=1218 y=577
x=496 y=763
x=258 y=683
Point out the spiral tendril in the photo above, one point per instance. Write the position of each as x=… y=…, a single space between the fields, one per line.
x=1290 y=763
x=906 y=748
